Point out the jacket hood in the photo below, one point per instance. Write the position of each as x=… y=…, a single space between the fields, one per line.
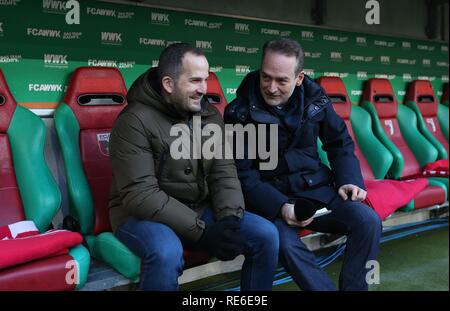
x=146 y=90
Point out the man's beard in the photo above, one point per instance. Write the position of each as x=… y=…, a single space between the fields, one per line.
x=181 y=105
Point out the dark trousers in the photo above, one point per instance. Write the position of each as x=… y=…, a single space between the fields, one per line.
x=358 y=222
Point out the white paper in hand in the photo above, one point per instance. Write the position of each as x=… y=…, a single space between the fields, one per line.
x=321 y=212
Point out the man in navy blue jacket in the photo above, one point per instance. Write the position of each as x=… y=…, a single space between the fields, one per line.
x=280 y=93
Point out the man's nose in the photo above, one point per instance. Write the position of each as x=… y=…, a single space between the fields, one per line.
x=273 y=87
x=203 y=88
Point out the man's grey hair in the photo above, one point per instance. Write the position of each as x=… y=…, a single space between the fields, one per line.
x=287 y=47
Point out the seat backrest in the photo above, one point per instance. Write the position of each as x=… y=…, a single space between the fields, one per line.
x=94 y=98
x=11 y=209
x=421 y=98
x=27 y=188
x=379 y=99
x=215 y=94
x=378 y=159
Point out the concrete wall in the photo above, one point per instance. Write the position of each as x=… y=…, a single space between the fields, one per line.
x=295 y=11
x=404 y=18
x=399 y=17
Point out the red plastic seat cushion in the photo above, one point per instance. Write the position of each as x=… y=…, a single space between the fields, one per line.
x=430 y=196
x=30 y=276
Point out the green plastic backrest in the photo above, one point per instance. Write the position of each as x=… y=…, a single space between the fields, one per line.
x=40 y=194
x=442 y=153
x=378 y=157
x=423 y=150
x=81 y=204
x=322 y=154
x=398 y=162
x=376 y=154
x=443 y=119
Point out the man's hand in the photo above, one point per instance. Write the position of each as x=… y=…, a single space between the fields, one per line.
x=288 y=214
x=356 y=193
x=223 y=238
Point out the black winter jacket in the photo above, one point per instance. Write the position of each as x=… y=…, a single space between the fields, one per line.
x=300 y=172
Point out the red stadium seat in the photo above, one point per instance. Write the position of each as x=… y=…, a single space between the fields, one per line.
x=375 y=152
x=421 y=99
x=83 y=122
x=29 y=192
x=396 y=127
x=375 y=159
x=215 y=94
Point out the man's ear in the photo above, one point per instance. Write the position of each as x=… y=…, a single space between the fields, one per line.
x=300 y=78
x=168 y=84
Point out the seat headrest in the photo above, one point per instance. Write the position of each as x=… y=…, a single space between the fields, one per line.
x=215 y=94
x=379 y=92
x=421 y=92
x=334 y=87
x=96 y=96
x=7 y=104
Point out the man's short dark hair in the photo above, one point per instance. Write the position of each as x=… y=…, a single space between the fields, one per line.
x=287 y=47
x=171 y=59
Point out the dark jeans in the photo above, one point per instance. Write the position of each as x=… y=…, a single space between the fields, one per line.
x=358 y=222
x=162 y=252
